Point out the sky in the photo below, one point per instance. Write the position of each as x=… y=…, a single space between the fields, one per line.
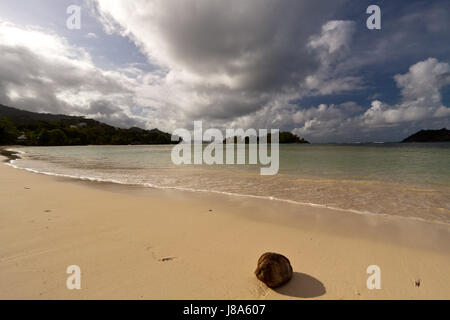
x=309 y=67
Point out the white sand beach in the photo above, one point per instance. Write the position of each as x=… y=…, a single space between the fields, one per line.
x=142 y=243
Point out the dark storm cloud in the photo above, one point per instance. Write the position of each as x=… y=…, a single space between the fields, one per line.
x=236 y=55
x=102 y=107
x=108 y=112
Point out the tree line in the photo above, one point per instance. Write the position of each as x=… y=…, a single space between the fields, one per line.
x=71 y=133
x=20 y=127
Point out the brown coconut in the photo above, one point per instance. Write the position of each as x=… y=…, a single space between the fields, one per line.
x=273 y=269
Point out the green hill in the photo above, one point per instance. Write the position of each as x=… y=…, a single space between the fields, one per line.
x=43 y=129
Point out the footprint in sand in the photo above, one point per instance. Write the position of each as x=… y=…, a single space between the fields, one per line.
x=261 y=291
x=165 y=259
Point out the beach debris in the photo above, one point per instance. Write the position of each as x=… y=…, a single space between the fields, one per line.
x=273 y=269
x=417 y=283
x=167 y=259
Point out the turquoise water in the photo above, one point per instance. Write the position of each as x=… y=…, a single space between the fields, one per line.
x=415 y=163
x=411 y=180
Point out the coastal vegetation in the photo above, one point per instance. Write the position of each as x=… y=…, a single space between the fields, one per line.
x=40 y=129
x=21 y=127
x=284 y=138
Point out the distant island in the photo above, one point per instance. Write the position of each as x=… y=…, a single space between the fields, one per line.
x=284 y=138
x=442 y=135
x=289 y=137
x=19 y=127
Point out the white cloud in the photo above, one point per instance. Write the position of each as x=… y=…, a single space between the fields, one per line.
x=332 y=45
x=421 y=97
x=40 y=71
x=91 y=35
x=421 y=103
x=335 y=36
x=424 y=80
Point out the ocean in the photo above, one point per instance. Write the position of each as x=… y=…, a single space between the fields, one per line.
x=408 y=180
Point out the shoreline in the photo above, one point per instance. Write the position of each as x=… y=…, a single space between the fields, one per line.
x=12 y=155
x=138 y=243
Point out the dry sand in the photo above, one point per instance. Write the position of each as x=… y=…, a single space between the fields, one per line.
x=139 y=243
